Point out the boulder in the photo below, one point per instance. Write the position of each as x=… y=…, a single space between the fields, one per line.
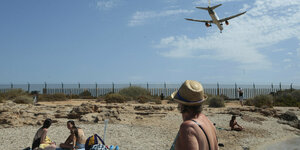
x=289 y=116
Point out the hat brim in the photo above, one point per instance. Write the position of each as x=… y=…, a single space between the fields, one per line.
x=175 y=98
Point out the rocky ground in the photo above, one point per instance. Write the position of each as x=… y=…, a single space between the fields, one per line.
x=143 y=126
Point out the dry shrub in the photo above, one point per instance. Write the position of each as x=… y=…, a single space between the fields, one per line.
x=23 y=100
x=12 y=94
x=86 y=95
x=263 y=101
x=134 y=92
x=114 y=98
x=216 y=101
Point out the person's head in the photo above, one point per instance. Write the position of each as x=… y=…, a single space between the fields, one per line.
x=190 y=97
x=47 y=123
x=194 y=110
x=233 y=117
x=70 y=124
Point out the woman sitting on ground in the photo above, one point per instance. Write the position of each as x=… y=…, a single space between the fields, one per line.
x=76 y=140
x=234 y=125
x=41 y=140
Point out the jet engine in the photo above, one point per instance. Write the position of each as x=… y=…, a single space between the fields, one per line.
x=207 y=24
x=226 y=22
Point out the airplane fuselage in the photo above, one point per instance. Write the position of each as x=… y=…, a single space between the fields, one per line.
x=215 y=18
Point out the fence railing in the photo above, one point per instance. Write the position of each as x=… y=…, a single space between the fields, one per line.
x=229 y=90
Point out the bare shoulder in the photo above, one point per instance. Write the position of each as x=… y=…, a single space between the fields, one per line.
x=45 y=130
x=188 y=126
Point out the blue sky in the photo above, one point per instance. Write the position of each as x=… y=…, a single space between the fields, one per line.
x=138 y=41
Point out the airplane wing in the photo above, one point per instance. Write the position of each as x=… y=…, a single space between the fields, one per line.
x=208 y=21
x=225 y=19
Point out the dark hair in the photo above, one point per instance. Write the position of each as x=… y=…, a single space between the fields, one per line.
x=47 y=123
x=72 y=123
x=74 y=130
x=192 y=109
x=233 y=117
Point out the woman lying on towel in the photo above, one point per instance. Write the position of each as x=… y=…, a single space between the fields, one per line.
x=41 y=140
x=76 y=141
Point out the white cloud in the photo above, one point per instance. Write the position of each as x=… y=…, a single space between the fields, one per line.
x=287 y=60
x=245 y=40
x=106 y=4
x=290 y=53
x=140 y=17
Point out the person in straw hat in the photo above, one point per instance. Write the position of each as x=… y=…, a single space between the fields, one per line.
x=196 y=132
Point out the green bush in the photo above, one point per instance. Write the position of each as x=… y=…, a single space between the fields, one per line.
x=263 y=101
x=12 y=94
x=216 y=101
x=52 y=97
x=23 y=100
x=86 y=95
x=114 y=98
x=285 y=99
x=134 y=92
x=296 y=95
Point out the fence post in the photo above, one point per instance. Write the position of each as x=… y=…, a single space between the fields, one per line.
x=96 y=89
x=28 y=87
x=62 y=87
x=79 y=85
x=218 y=89
x=45 y=89
x=254 y=93
x=147 y=86
x=235 y=91
x=165 y=91
x=113 y=88
x=11 y=85
x=291 y=86
x=280 y=86
x=272 y=87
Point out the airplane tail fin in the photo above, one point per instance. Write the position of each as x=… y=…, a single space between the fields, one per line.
x=206 y=8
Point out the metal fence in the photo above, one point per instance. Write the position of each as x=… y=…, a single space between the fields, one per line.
x=229 y=90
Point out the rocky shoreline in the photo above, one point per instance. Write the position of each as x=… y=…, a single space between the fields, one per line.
x=145 y=126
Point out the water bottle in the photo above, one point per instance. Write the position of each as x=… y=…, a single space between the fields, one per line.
x=117 y=148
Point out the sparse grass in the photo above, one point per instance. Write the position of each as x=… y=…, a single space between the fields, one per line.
x=216 y=102
x=52 y=97
x=1 y=100
x=12 y=94
x=114 y=98
x=146 y=99
x=23 y=100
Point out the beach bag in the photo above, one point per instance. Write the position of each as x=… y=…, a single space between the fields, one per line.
x=95 y=142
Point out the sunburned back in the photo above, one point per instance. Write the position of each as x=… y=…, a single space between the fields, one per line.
x=193 y=134
x=209 y=130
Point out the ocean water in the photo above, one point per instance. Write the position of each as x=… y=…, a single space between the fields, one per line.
x=290 y=144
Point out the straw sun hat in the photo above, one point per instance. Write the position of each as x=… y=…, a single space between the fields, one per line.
x=190 y=93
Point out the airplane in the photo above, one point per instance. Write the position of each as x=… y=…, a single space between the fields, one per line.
x=215 y=18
